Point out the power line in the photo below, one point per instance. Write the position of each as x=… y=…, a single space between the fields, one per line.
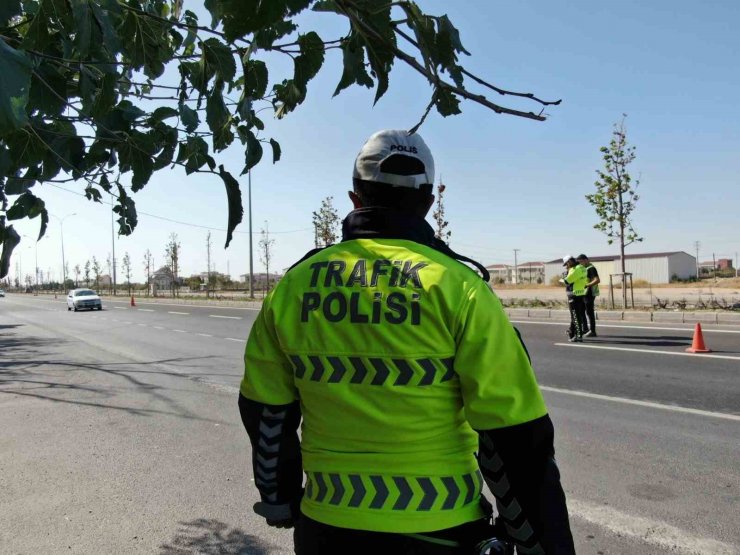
x=190 y=224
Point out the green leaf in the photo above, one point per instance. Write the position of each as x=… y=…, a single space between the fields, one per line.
x=47 y=94
x=354 y=65
x=126 y=209
x=189 y=118
x=15 y=86
x=9 y=239
x=162 y=113
x=308 y=64
x=446 y=102
x=8 y=10
x=93 y=194
x=219 y=57
x=326 y=6
x=275 y=150
x=297 y=6
x=451 y=34
x=169 y=143
x=265 y=37
x=234 y=197
x=27 y=205
x=253 y=153
x=242 y=17
x=219 y=120
x=255 y=79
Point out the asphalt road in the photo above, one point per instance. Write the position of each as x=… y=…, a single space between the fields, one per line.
x=120 y=433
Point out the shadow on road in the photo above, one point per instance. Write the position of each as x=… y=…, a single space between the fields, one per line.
x=213 y=537
x=32 y=366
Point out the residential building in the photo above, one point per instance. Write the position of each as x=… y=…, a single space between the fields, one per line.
x=653 y=267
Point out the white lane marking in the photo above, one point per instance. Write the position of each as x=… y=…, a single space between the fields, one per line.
x=653 y=532
x=158 y=327
x=648 y=404
x=211 y=306
x=123 y=322
x=145 y=309
x=232 y=339
x=565 y=323
x=173 y=312
x=120 y=307
x=650 y=351
x=180 y=331
x=204 y=334
x=142 y=325
x=229 y=317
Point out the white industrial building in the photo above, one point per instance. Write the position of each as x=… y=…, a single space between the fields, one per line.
x=653 y=267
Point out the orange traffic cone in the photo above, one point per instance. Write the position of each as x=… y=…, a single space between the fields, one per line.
x=133 y=302
x=697 y=345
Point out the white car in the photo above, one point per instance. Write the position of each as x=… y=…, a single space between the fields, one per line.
x=83 y=298
x=2 y=292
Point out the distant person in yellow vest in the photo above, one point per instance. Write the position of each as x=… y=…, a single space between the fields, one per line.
x=575 y=286
x=401 y=364
x=592 y=291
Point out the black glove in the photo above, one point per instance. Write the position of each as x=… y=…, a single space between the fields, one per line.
x=277 y=516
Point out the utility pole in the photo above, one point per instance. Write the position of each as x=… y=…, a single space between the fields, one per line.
x=736 y=264
x=208 y=270
x=516 y=267
x=696 y=245
x=251 y=258
x=714 y=267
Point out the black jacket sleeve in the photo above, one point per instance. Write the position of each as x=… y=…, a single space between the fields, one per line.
x=276 y=450
x=518 y=464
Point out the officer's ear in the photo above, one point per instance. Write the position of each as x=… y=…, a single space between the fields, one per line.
x=355 y=198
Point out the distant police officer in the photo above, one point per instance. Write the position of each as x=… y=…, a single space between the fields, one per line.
x=592 y=291
x=402 y=364
x=575 y=286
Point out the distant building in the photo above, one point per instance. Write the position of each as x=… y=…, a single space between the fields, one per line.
x=528 y=272
x=653 y=267
x=710 y=266
x=161 y=280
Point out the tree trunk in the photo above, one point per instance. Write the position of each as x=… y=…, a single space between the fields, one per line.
x=621 y=250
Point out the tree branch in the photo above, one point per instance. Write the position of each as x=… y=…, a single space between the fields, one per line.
x=436 y=81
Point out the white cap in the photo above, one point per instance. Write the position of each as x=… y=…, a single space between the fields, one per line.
x=384 y=144
x=566 y=258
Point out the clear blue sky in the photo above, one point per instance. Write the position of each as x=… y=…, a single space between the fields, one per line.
x=672 y=66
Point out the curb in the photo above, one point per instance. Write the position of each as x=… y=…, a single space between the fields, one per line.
x=628 y=316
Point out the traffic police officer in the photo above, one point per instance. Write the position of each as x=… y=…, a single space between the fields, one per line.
x=575 y=285
x=401 y=364
x=592 y=291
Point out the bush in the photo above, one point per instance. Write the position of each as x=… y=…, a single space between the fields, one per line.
x=555 y=280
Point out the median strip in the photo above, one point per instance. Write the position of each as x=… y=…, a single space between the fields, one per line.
x=565 y=323
x=648 y=404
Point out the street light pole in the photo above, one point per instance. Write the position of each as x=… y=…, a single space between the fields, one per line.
x=251 y=257
x=61 y=228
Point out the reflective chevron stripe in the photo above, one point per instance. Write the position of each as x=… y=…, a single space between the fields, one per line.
x=393 y=493
x=396 y=372
x=268 y=447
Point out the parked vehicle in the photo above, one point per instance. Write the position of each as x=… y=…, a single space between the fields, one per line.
x=79 y=299
x=2 y=292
